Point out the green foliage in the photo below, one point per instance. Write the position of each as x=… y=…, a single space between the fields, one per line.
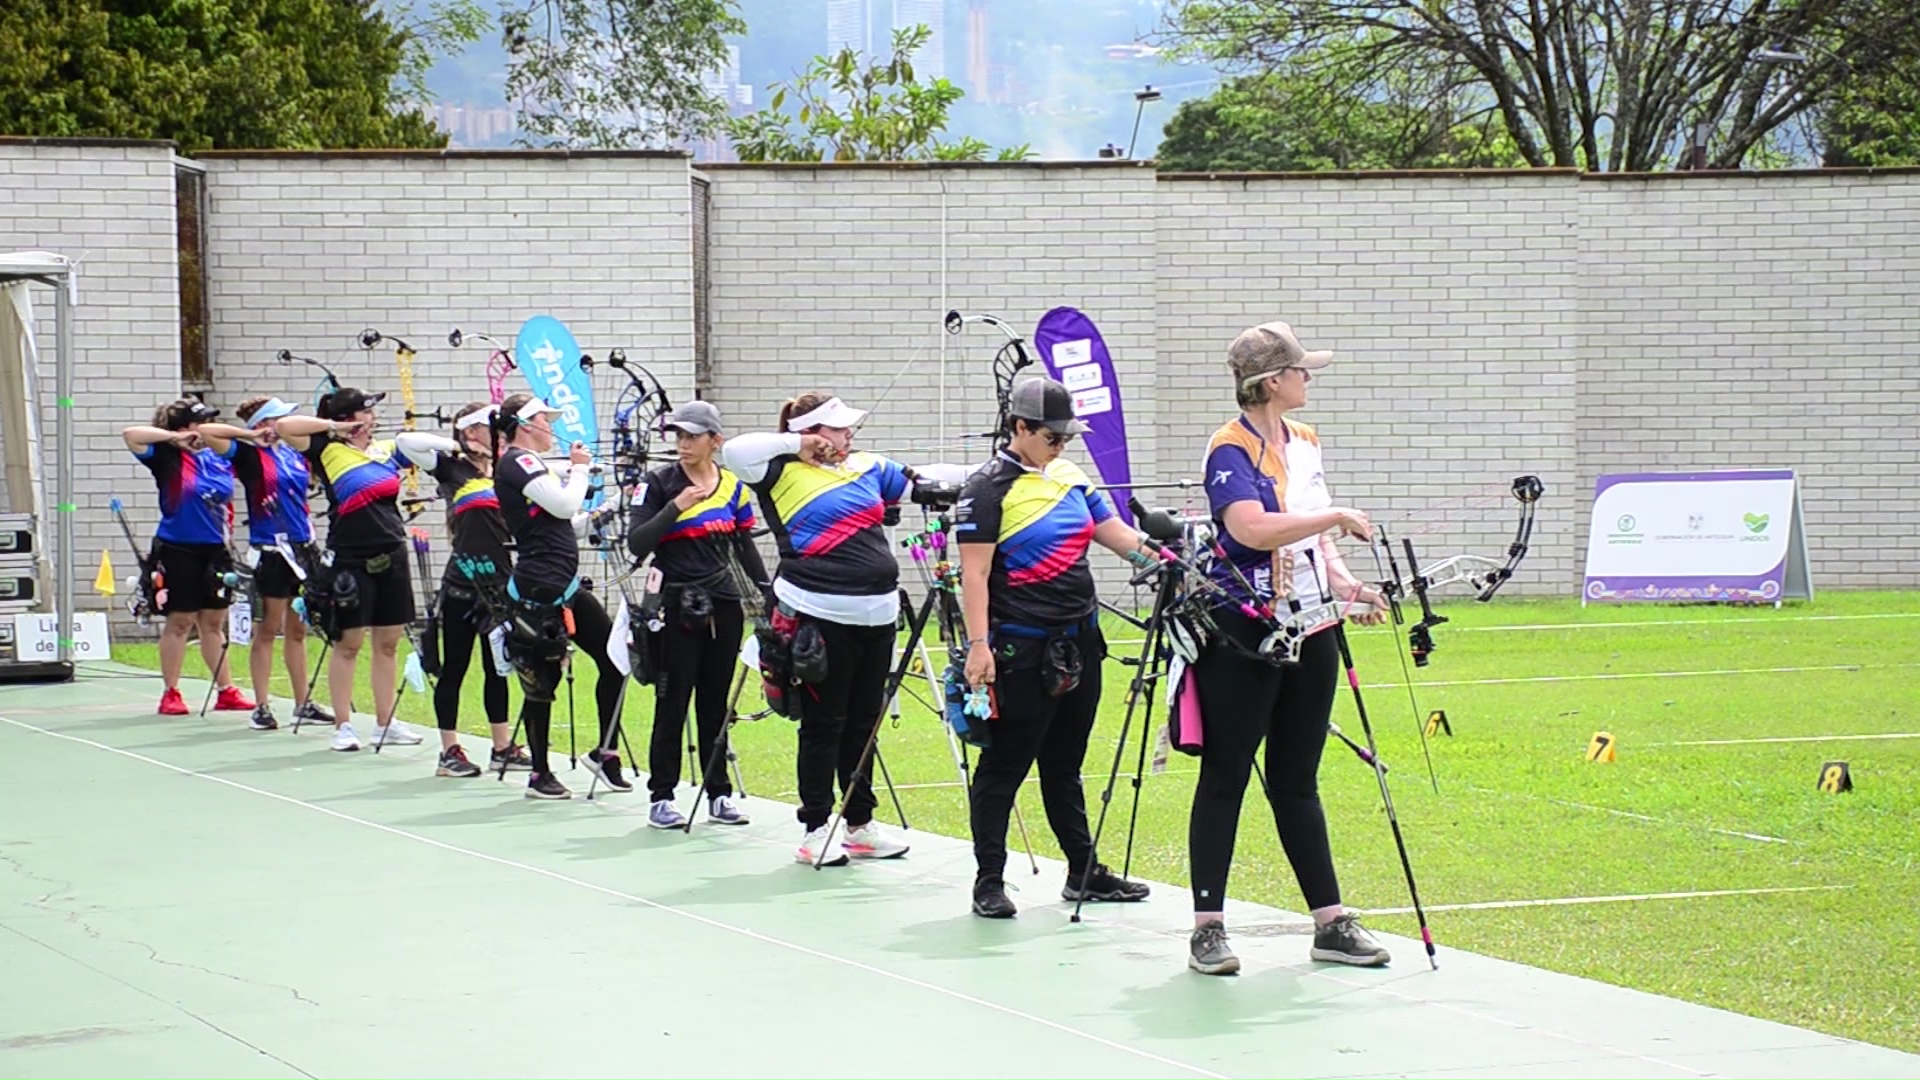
x=850 y=111
x=1279 y=123
x=443 y=29
x=1877 y=122
x=208 y=74
x=1594 y=84
x=617 y=73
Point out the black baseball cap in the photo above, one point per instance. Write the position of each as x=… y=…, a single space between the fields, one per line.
x=1047 y=403
x=189 y=411
x=346 y=401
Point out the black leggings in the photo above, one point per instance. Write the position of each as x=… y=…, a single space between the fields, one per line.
x=696 y=665
x=460 y=619
x=591 y=626
x=837 y=716
x=1032 y=725
x=1243 y=700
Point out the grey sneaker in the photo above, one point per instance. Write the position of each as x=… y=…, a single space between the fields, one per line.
x=315 y=713
x=1207 y=951
x=263 y=718
x=664 y=815
x=1345 y=941
x=721 y=810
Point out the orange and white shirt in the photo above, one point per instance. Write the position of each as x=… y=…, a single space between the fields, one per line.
x=1241 y=466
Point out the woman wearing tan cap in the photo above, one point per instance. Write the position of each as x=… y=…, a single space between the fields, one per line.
x=1276 y=524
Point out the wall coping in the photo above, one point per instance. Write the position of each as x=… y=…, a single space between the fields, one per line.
x=449 y=153
x=1580 y=174
x=921 y=166
x=42 y=140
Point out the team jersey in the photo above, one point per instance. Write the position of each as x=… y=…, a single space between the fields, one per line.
x=826 y=521
x=546 y=551
x=275 y=478
x=1241 y=466
x=363 y=495
x=693 y=550
x=196 y=490
x=1040 y=523
x=474 y=521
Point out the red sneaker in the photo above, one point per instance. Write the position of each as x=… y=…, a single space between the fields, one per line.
x=172 y=704
x=232 y=699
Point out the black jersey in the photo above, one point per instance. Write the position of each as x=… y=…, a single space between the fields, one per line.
x=546 y=550
x=480 y=538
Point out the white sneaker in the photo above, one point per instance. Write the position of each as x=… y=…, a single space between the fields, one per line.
x=809 y=849
x=868 y=842
x=396 y=734
x=344 y=738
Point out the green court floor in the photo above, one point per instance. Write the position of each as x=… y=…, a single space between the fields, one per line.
x=181 y=896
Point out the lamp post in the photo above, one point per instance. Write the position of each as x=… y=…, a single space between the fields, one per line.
x=1142 y=96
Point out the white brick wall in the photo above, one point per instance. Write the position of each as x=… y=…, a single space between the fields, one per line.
x=1762 y=322
x=837 y=278
x=1486 y=325
x=307 y=250
x=1450 y=308
x=110 y=205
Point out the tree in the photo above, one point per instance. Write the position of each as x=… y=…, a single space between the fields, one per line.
x=1599 y=84
x=850 y=111
x=1876 y=123
x=1288 y=123
x=618 y=73
x=208 y=74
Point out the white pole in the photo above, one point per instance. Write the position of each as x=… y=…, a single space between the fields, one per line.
x=63 y=475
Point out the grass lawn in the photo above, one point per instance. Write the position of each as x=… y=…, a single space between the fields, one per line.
x=1521 y=815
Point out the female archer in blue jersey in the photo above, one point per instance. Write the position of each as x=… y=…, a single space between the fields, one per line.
x=190 y=548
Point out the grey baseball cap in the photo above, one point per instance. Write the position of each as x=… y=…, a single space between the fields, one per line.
x=1261 y=350
x=695 y=418
x=1047 y=403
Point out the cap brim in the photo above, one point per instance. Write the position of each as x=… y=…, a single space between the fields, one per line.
x=1066 y=427
x=689 y=427
x=1314 y=361
x=477 y=416
x=273 y=410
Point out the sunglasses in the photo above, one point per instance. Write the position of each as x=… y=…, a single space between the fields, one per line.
x=1057 y=440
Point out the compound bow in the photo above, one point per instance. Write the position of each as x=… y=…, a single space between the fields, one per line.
x=403 y=358
x=1007 y=363
x=328 y=382
x=499 y=363
x=1482 y=573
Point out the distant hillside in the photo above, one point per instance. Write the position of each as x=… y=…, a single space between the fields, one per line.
x=1056 y=81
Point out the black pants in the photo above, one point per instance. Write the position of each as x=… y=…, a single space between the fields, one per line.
x=460 y=620
x=697 y=666
x=591 y=626
x=1035 y=726
x=837 y=716
x=1243 y=700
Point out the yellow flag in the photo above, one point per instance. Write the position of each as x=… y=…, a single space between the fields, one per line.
x=103 y=581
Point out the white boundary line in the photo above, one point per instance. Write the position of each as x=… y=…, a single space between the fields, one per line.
x=1612 y=676
x=630 y=897
x=1520 y=627
x=1784 y=739
x=1758 y=837
x=1488 y=905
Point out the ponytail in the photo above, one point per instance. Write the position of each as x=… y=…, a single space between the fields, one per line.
x=801 y=406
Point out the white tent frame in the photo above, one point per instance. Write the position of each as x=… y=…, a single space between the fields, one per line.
x=61 y=274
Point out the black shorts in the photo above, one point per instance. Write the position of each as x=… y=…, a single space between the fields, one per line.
x=273 y=578
x=191 y=576
x=384 y=598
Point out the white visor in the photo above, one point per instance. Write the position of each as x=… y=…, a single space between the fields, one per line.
x=477 y=416
x=535 y=407
x=835 y=414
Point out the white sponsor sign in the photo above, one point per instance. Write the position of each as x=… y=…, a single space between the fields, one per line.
x=1093 y=402
x=1068 y=353
x=1731 y=535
